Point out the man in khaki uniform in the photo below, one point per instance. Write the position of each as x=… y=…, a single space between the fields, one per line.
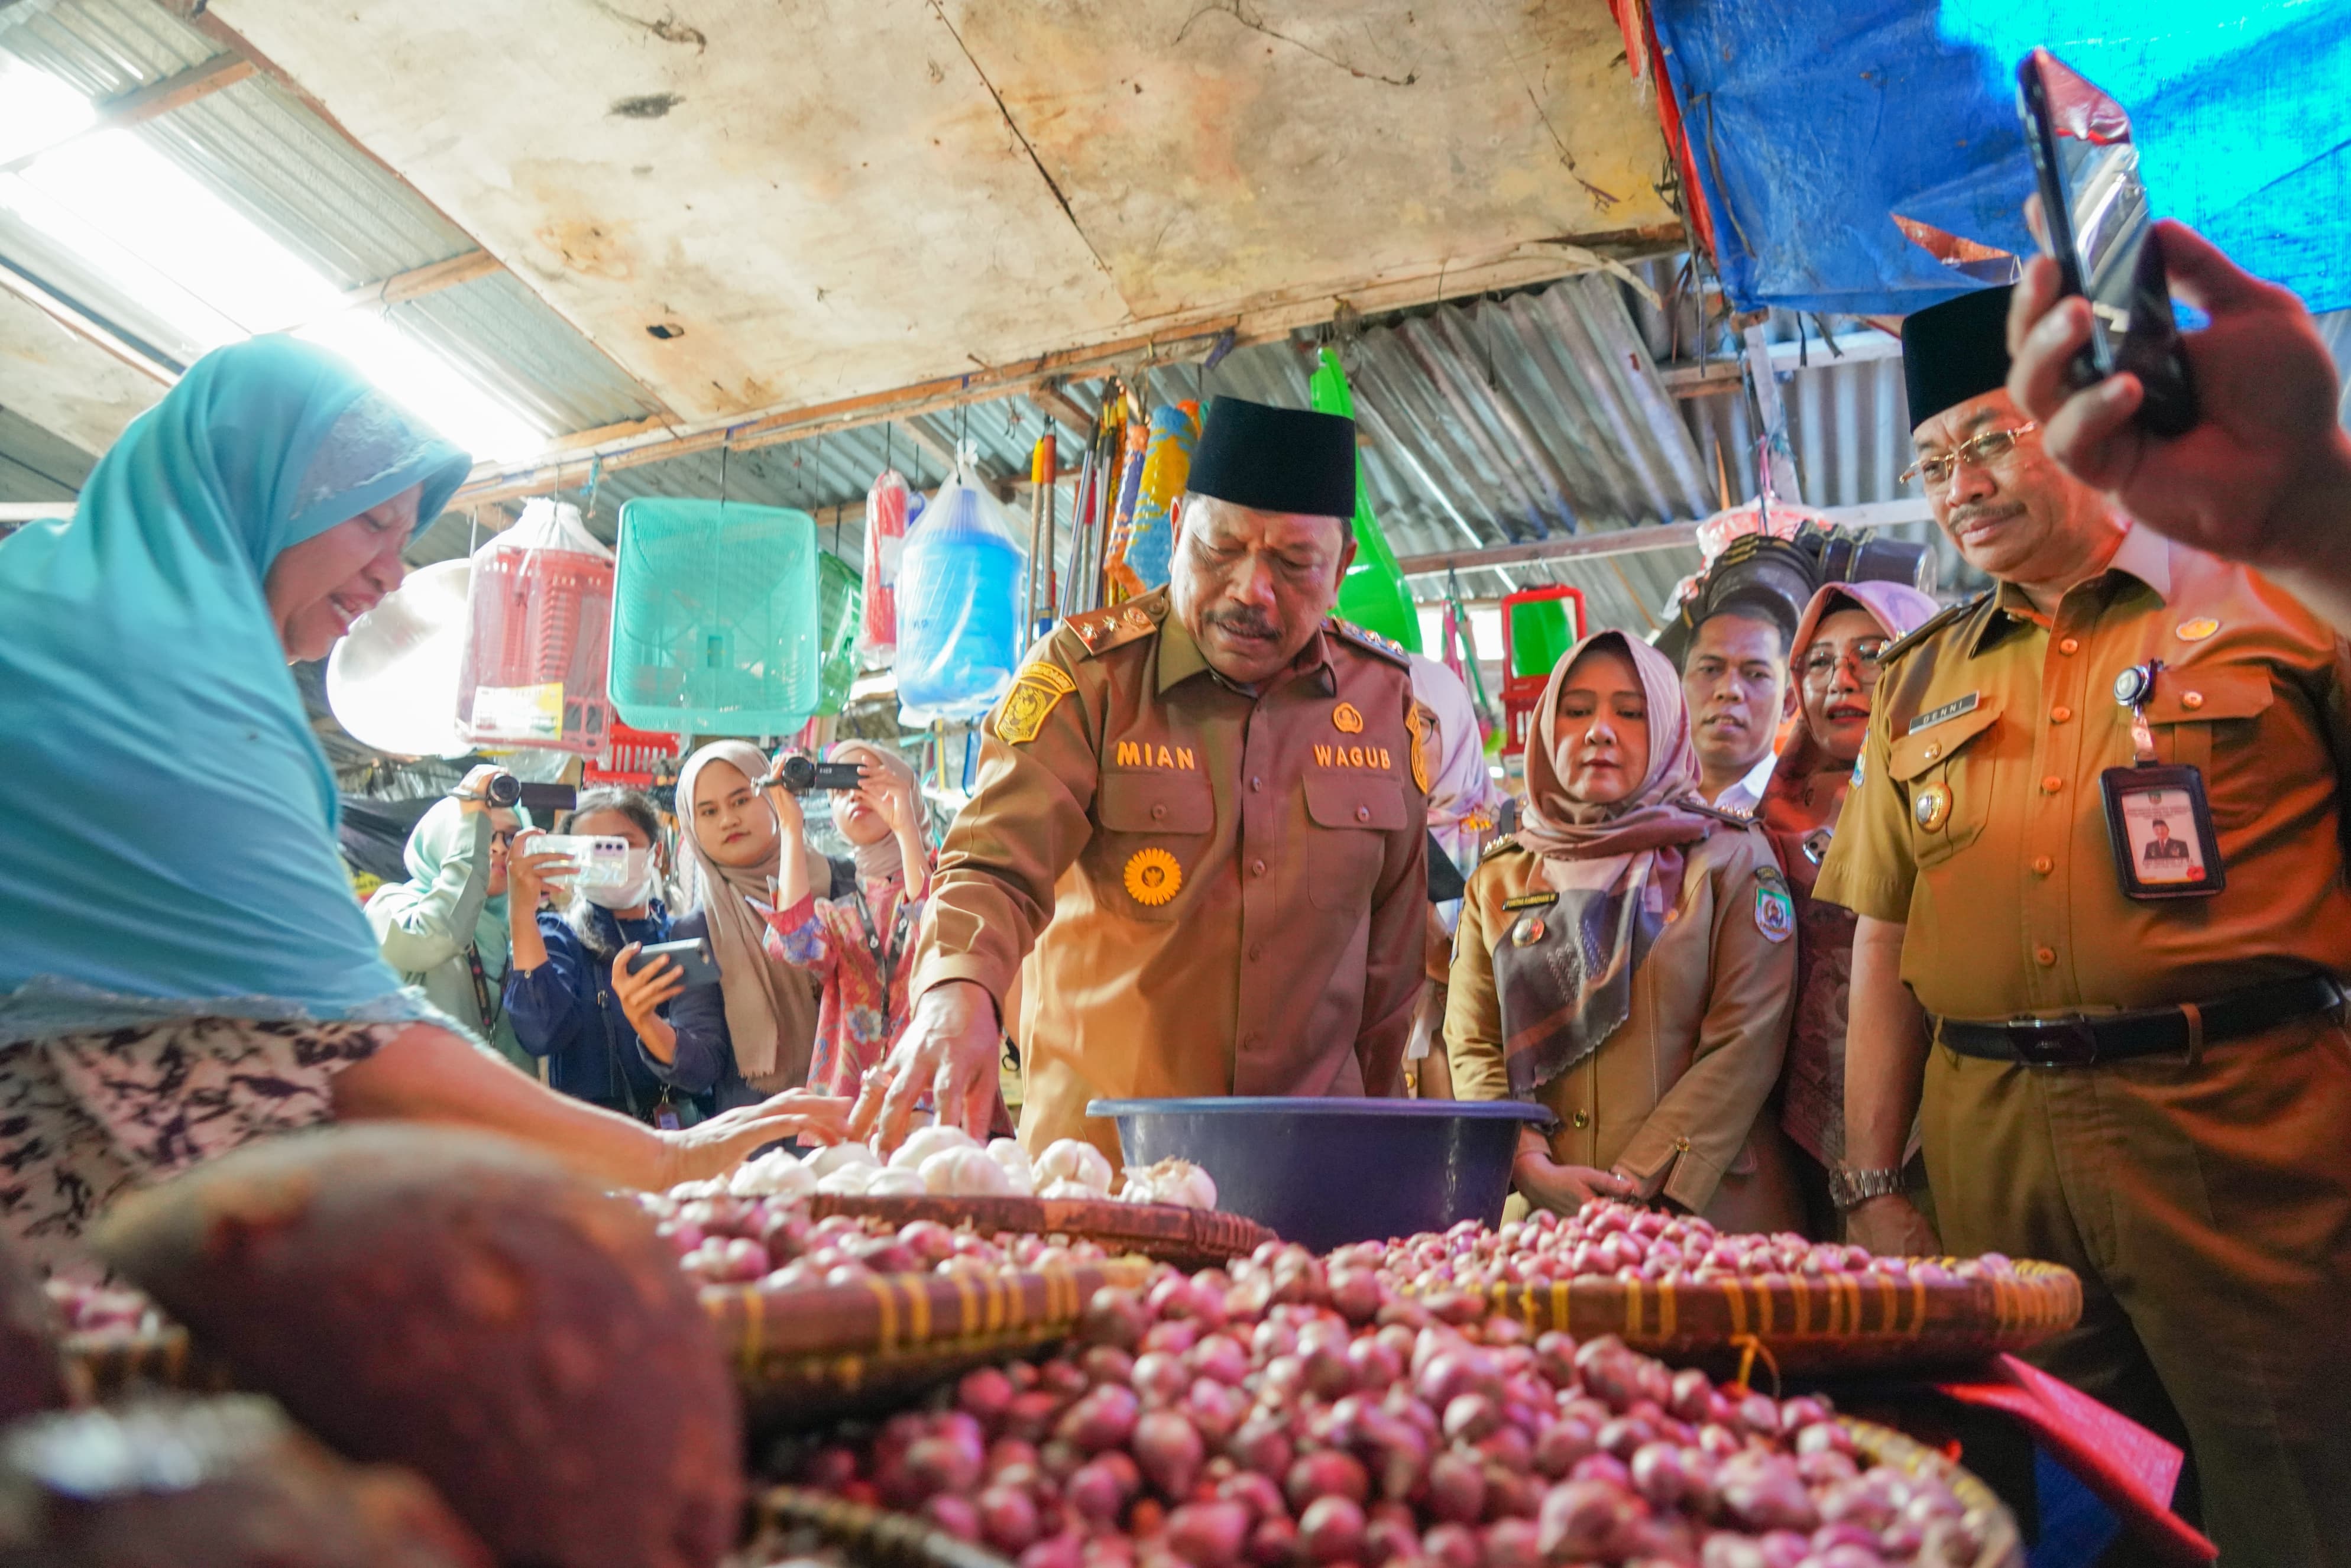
x=1207 y=810
x=2156 y=1092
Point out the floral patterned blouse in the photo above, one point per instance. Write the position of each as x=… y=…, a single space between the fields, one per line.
x=851 y=950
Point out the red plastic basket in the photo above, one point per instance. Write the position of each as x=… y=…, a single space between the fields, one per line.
x=634 y=758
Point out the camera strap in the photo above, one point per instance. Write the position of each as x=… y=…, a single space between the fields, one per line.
x=490 y=1013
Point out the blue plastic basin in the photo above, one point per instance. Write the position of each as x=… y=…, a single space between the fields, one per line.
x=1323 y=1173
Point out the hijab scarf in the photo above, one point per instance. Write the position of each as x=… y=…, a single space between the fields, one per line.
x=446 y=830
x=1616 y=868
x=1899 y=611
x=167 y=820
x=1461 y=792
x=771 y=1013
x=880 y=860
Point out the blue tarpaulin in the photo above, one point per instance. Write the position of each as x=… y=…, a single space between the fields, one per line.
x=1813 y=123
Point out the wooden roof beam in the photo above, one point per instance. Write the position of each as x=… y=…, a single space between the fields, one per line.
x=178 y=90
x=430 y=278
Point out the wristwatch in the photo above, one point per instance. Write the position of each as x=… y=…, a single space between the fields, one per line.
x=1851 y=1188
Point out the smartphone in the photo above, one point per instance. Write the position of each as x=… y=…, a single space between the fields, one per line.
x=597 y=861
x=2095 y=215
x=692 y=958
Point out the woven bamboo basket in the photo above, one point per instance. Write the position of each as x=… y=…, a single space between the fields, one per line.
x=1812 y=1325
x=2003 y=1543
x=105 y=1367
x=813 y=1355
x=1187 y=1237
x=790 y=1522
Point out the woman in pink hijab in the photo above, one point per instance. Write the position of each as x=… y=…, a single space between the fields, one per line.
x=1834 y=662
x=1627 y=960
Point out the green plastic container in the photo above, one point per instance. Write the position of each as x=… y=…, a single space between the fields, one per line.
x=1541 y=632
x=714 y=617
x=840 y=598
x=1374 y=595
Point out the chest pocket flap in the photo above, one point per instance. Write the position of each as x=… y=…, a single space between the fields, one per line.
x=1914 y=754
x=2193 y=696
x=1336 y=800
x=1168 y=802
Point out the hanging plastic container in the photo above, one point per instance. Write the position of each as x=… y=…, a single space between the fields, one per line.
x=958 y=603
x=838 y=600
x=539 y=620
x=1372 y=596
x=885 y=539
x=715 y=619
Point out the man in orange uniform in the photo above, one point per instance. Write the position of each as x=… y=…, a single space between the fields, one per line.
x=2144 y=1077
x=1206 y=808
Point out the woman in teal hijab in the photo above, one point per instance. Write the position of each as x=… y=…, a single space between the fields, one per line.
x=445 y=929
x=182 y=966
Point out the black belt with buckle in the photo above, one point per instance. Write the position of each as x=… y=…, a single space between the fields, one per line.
x=2083 y=1039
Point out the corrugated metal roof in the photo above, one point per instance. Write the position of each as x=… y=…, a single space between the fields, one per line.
x=512 y=341
x=106 y=47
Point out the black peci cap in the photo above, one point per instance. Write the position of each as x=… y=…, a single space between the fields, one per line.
x=1276 y=459
x=1955 y=350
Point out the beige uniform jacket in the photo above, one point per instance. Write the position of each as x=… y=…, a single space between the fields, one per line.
x=1674 y=1096
x=1226 y=892
x=1976 y=816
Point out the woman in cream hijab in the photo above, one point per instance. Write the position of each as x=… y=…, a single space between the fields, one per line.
x=1627 y=958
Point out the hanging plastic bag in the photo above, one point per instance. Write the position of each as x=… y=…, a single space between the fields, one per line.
x=959 y=586
x=1167 y=469
x=540 y=616
x=1373 y=594
x=885 y=539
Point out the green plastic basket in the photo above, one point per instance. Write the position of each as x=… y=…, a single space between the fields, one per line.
x=714 y=617
x=1541 y=635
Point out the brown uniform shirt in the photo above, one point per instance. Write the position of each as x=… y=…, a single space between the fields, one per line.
x=2011 y=896
x=1675 y=1093
x=1225 y=891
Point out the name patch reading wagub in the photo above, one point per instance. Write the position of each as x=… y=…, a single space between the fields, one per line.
x=1950 y=710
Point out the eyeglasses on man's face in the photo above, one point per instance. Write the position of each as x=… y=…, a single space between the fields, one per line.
x=1976 y=452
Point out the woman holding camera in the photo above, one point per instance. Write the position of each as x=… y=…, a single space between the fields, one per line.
x=445 y=929
x=160 y=759
x=562 y=992
x=748 y=1036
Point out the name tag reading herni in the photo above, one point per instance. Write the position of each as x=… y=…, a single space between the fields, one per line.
x=2157 y=819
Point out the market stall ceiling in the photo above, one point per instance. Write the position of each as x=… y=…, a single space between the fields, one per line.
x=64 y=382
x=751 y=207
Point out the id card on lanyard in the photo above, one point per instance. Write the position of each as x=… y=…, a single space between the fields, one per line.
x=2158 y=823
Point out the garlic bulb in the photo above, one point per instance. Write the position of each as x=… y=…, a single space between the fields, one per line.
x=687 y=1191
x=841 y=1157
x=1074 y=1159
x=925 y=1142
x=1077 y=1191
x=1007 y=1153
x=776 y=1174
x=965 y=1173
x=1171 y=1181
x=848 y=1181
x=896 y=1182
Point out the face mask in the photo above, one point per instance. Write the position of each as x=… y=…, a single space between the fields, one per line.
x=636 y=886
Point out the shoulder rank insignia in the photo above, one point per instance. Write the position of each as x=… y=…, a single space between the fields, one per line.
x=1929 y=626
x=1736 y=819
x=1507 y=841
x=1363 y=637
x=1036 y=691
x=1102 y=630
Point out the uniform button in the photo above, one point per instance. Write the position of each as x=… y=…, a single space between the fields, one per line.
x=2060 y=714
x=1256 y=867
x=1257 y=781
x=1363 y=813
x=2043 y=865
x=1933 y=750
x=2070 y=646
x=1682 y=1144
x=2051 y=784
x=1582 y=1118
x=1257 y=950
x=2044 y=957
x=1159 y=813
x=2191 y=699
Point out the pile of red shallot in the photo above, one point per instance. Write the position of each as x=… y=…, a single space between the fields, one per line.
x=772 y=1242
x=1291 y=1412
x=104 y=1309
x=1606 y=1239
